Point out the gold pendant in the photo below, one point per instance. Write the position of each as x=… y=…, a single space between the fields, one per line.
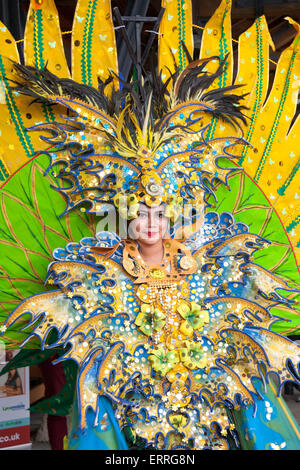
x=187 y=262
x=128 y=264
x=157 y=273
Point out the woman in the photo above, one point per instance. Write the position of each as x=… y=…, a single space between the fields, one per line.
x=177 y=355
x=153 y=250
x=13 y=384
x=171 y=329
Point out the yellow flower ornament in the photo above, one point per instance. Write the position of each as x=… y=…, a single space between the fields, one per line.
x=195 y=317
x=148 y=321
x=178 y=420
x=163 y=362
x=174 y=207
x=127 y=206
x=192 y=355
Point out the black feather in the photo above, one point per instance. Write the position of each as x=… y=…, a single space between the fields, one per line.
x=191 y=84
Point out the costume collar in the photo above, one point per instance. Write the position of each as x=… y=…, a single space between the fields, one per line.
x=177 y=262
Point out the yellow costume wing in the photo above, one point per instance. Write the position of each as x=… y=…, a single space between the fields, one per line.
x=93 y=44
x=269 y=188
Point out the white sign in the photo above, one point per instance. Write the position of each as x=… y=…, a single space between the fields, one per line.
x=14 y=405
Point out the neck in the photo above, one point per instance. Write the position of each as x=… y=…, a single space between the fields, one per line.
x=152 y=254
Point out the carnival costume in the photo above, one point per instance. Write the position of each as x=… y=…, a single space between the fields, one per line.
x=175 y=355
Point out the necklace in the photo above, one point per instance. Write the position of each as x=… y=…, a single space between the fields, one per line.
x=177 y=262
x=164 y=298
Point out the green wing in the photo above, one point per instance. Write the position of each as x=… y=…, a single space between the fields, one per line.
x=248 y=204
x=30 y=229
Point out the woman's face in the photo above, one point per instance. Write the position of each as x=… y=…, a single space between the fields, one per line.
x=150 y=226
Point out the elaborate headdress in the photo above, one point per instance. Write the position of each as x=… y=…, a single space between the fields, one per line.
x=93 y=44
x=129 y=147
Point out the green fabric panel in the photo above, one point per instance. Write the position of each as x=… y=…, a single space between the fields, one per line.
x=61 y=404
x=248 y=204
x=30 y=229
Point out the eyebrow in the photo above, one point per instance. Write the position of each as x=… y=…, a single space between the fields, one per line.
x=160 y=211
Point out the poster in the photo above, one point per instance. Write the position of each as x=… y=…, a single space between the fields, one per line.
x=14 y=405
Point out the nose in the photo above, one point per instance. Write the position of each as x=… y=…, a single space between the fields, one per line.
x=151 y=219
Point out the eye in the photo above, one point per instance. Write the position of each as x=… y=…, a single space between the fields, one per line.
x=142 y=214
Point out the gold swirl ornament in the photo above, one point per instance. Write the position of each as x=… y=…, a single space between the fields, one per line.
x=154 y=191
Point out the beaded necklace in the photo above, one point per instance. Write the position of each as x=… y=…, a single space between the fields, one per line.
x=160 y=286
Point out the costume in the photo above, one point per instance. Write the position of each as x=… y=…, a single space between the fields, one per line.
x=170 y=356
